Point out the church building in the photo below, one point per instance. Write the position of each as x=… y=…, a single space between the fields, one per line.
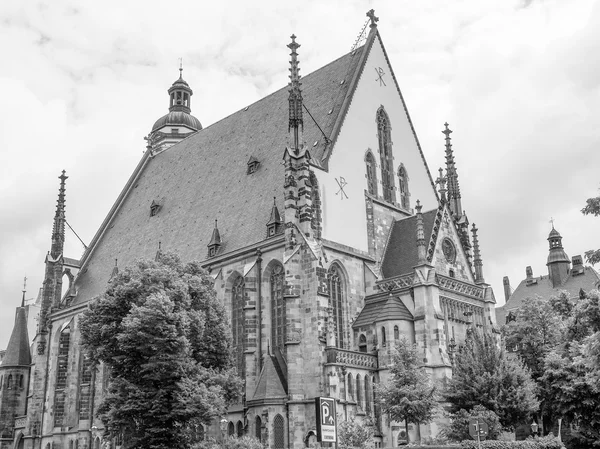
x=328 y=239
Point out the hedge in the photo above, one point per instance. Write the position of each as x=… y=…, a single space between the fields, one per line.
x=548 y=442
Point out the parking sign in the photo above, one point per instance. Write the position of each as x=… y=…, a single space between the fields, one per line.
x=326 y=419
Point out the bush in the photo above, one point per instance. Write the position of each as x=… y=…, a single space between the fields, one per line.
x=547 y=442
x=458 y=429
x=231 y=442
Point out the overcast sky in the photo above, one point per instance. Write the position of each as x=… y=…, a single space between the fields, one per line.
x=518 y=80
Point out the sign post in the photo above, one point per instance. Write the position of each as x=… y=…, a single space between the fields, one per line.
x=326 y=420
x=478 y=429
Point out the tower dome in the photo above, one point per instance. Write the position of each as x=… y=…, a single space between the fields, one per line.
x=179 y=122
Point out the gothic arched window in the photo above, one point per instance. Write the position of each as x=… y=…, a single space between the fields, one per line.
x=384 y=134
x=277 y=309
x=362 y=343
x=278 y=432
x=62 y=365
x=396 y=333
x=368 y=394
x=230 y=429
x=359 y=392
x=237 y=322
x=350 y=387
x=240 y=429
x=371 y=174
x=257 y=428
x=336 y=302
x=403 y=187
x=383 y=336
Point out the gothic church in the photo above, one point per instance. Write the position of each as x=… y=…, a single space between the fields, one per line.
x=329 y=242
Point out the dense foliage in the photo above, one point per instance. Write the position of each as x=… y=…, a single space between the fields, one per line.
x=354 y=435
x=458 y=429
x=548 y=442
x=409 y=395
x=483 y=374
x=165 y=341
x=592 y=207
x=230 y=442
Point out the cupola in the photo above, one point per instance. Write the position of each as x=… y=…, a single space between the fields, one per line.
x=179 y=122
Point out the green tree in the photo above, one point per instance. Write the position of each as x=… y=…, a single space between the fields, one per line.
x=165 y=340
x=483 y=374
x=458 y=429
x=230 y=442
x=592 y=207
x=409 y=395
x=354 y=435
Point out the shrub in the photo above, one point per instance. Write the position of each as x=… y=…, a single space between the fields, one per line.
x=458 y=429
x=231 y=442
x=547 y=442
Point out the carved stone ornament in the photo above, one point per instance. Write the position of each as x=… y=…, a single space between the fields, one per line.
x=41 y=347
x=449 y=250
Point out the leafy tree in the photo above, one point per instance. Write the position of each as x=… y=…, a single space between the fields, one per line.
x=592 y=207
x=409 y=395
x=483 y=374
x=458 y=429
x=166 y=342
x=230 y=442
x=352 y=434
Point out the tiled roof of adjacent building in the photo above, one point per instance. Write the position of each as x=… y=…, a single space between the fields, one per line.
x=18 y=351
x=401 y=252
x=542 y=286
x=204 y=177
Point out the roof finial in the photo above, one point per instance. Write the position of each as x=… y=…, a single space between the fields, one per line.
x=24 y=290
x=552 y=221
x=452 y=176
x=296 y=123
x=374 y=19
x=420 y=235
x=477 y=257
x=441 y=181
x=180 y=68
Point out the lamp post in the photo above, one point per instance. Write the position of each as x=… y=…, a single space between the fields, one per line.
x=223 y=425
x=534 y=429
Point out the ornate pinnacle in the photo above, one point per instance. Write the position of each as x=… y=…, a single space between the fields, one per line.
x=374 y=19
x=296 y=122
x=441 y=181
x=58 y=228
x=420 y=234
x=477 y=262
x=452 y=175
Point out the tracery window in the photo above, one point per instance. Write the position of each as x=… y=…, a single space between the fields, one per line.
x=371 y=174
x=85 y=387
x=385 y=153
x=62 y=364
x=336 y=302
x=278 y=432
x=350 y=387
x=403 y=186
x=240 y=429
x=237 y=323
x=230 y=429
x=277 y=309
x=257 y=429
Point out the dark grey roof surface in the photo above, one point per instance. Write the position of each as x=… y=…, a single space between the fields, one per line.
x=203 y=178
x=17 y=351
x=381 y=309
x=588 y=280
x=401 y=253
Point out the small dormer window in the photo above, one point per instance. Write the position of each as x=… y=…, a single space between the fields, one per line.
x=212 y=252
x=272 y=230
x=154 y=208
x=451 y=273
x=253 y=164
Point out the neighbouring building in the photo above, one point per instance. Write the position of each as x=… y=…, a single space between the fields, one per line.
x=316 y=215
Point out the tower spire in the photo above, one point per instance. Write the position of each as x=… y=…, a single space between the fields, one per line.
x=58 y=227
x=296 y=123
x=451 y=175
x=477 y=262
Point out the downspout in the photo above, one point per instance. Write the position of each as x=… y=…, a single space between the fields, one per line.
x=259 y=306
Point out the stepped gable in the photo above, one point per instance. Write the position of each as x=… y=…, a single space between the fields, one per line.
x=204 y=177
x=382 y=309
x=18 y=352
x=401 y=252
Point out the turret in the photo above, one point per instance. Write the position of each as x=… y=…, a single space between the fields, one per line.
x=558 y=262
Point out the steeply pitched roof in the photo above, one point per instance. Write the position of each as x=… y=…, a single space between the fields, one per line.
x=381 y=309
x=204 y=177
x=588 y=280
x=271 y=381
x=18 y=352
x=401 y=252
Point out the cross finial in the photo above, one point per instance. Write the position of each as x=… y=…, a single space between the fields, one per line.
x=374 y=19
x=552 y=222
x=447 y=131
x=180 y=68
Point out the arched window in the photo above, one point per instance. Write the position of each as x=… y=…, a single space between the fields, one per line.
x=62 y=365
x=9 y=383
x=278 y=432
x=359 y=394
x=240 y=429
x=1 y=382
x=336 y=302
x=350 y=387
x=362 y=343
x=403 y=187
x=368 y=394
x=277 y=309
x=384 y=134
x=97 y=443
x=371 y=174
x=230 y=429
x=396 y=333
x=383 y=336
x=237 y=322
x=258 y=428
x=21 y=381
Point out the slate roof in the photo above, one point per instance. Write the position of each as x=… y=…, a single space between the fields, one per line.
x=381 y=309
x=203 y=178
x=401 y=252
x=271 y=383
x=17 y=351
x=588 y=280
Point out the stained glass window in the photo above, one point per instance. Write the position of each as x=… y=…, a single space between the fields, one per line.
x=385 y=153
x=336 y=302
x=277 y=309
x=237 y=323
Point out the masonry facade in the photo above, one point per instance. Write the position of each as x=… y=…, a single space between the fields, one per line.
x=316 y=215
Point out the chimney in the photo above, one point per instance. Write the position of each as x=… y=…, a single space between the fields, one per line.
x=529 y=280
x=507 y=291
x=577 y=265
